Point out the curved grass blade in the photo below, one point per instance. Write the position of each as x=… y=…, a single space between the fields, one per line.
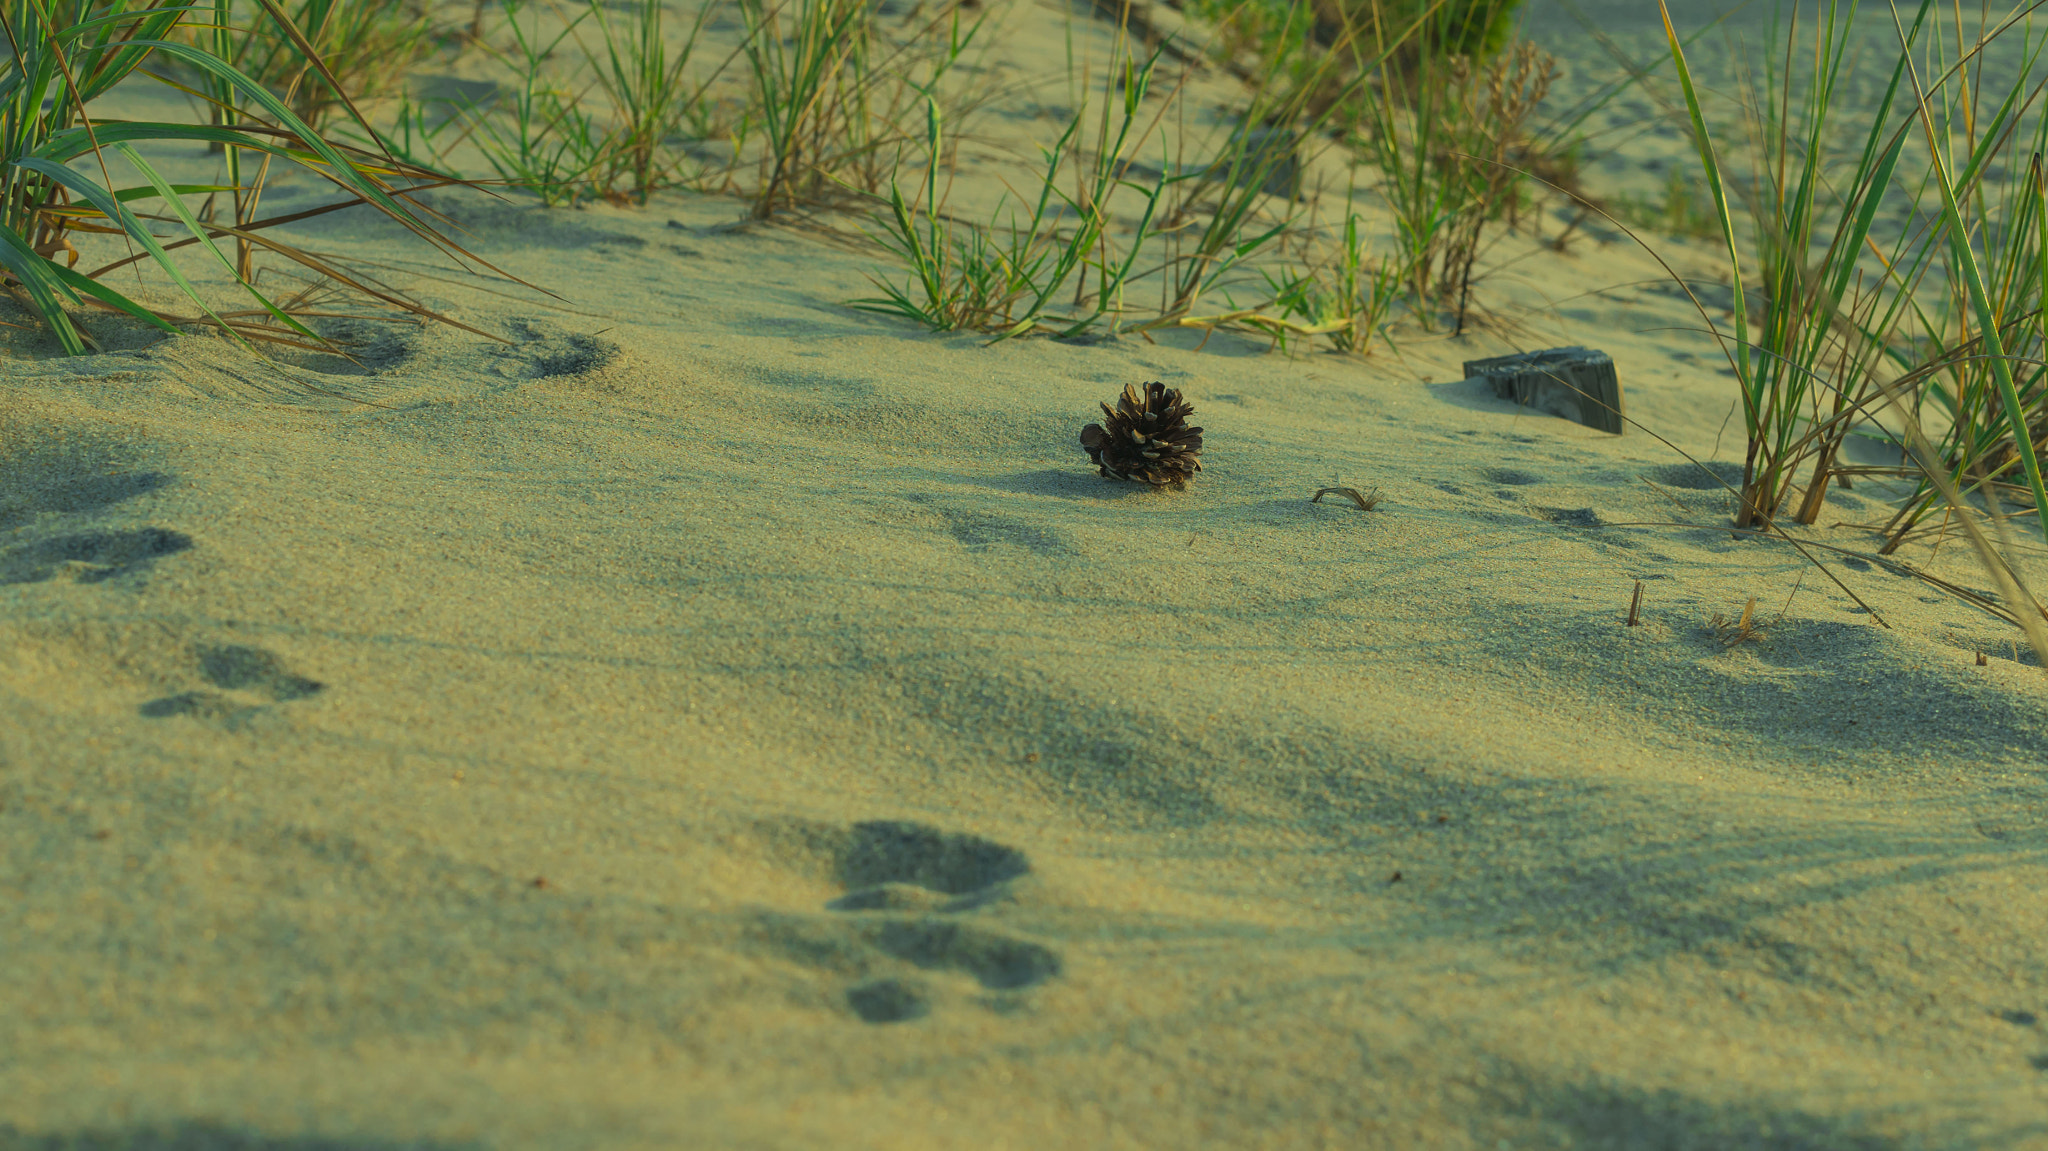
x=1710 y=164
x=87 y=286
x=120 y=213
x=1980 y=302
x=46 y=293
x=176 y=204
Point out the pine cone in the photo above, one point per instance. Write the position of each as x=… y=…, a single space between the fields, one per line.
x=1146 y=438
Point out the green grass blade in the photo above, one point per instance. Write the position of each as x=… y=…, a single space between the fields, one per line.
x=117 y=212
x=1980 y=301
x=46 y=293
x=87 y=286
x=68 y=144
x=177 y=207
x=1711 y=166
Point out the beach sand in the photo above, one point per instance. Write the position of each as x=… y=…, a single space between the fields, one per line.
x=716 y=717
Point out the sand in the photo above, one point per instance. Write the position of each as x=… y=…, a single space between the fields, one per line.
x=715 y=717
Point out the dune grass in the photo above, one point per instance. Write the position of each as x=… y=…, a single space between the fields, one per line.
x=1444 y=117
x=651 y=100
x=65 y=173
x=1985 y=332
x=834 y=98
x=363 y=47
x=1801 y=359
x=543 y=134
x=538 y=136
x=963 y=276
x=1445 y=136
x=826 y=119
x=794 y=76
x=1208 y=229
x=1839 y=323
x=1889 y=262
x=1346 y=299
x=966 y=278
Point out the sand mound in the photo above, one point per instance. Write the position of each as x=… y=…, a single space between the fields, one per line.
x=713 y=716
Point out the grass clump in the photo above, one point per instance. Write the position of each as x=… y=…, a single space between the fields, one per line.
x=1108 y=225
x=1837 y=321
x=651 y=101
x=313 y=51
x=836 y=99
x=1802 y=350
x=1449 y=138
x=64 y=55
x=1979 y=375
x=1440 y=29
x=1892 y=290
x=538 y=136
x=1346 y=299
x=803 y=77
x=543 y=136
x=964 y=277
x=1439 y=100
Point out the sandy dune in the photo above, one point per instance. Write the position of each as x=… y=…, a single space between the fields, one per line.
x=715 y=717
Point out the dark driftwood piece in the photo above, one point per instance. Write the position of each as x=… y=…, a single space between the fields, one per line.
x=1576 y=383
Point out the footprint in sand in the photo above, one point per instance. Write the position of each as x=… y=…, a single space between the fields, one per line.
x=53 y=474
x=885 y=855
x=890 y=1000
x=90 y=557
x=544 y=351
x=360 y=346
x=892 y=867
x=246 y=675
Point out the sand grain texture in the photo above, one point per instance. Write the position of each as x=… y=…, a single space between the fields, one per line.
x=716 y=717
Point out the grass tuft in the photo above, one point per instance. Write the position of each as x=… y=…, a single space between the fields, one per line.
x=59 y=166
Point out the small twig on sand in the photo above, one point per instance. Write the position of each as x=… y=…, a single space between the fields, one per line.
x=1788 y=599
x=1731 y=634
x=1366 y=502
